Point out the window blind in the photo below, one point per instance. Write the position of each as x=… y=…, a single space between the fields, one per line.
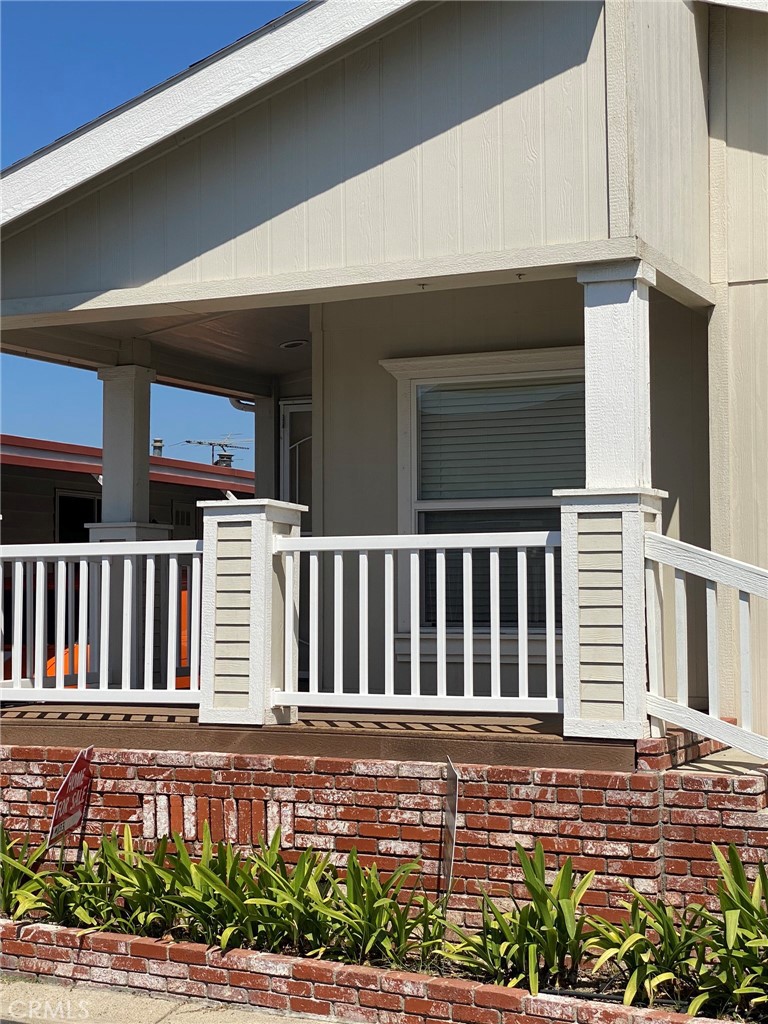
x=490 y=521
x=500 y=439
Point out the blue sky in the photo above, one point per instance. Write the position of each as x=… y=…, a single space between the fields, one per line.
x=64 y=63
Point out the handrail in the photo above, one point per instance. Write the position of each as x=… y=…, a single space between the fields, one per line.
x=98 y=550
x=707 y=564
x=421 y=542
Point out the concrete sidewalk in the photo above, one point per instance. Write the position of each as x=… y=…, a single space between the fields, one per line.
x=30 y=1002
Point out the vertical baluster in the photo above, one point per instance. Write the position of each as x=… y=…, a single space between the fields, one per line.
x=2 y=612
x=549 y=597
x=495 y=623
x=681 y=637
x=522 y=622
x=188 y=590
x=69 y=667
x=149 y=623
x=104 y=603
x=29 y=620
x=173 y=622
x=469 y=624
x=125 y=682
x=713 y=681
x=194 y=625
x=653 y=630
x=415 y=625
x=288 y=625
x=18 y=627
x=94 y=616
x=389 y=623
x=61 y=609
x=41 y=594
x=314 y=613
x=82 y=625
x=442 y=660
x=363 y=619
x=338 y=622
x=745 y=659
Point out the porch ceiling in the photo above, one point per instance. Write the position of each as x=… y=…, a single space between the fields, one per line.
x=234 y=353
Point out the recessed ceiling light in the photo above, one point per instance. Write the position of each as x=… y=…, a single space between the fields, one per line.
x=294 y=343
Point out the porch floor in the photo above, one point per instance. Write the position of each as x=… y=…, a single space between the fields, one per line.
x=524 y=740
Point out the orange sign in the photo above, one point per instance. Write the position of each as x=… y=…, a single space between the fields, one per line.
x=71 y=800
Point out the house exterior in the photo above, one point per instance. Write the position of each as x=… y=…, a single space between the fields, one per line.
x=492 y=278
x=51 y=491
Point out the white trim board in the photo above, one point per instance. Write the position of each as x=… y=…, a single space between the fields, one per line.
x=540 y=263
x=182 y=101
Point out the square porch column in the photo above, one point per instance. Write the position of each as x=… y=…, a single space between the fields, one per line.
x=604 y=645
x=125 y=457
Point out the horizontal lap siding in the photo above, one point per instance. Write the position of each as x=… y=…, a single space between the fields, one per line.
x=601 y=650
x=233 y=614
x=473 y=128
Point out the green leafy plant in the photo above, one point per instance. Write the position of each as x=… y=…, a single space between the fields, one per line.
x=22 y=881
x=502 y=951
x=370 y=923
x=542 y=942
x=142 y=886
x=735 y=978
x=656 y=950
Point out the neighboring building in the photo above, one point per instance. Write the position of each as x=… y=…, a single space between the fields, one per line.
x=514 y=259
x=51 y=491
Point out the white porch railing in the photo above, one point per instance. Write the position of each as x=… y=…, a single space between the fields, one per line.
x=413 y=651
x=718 y=573
x=113 y=622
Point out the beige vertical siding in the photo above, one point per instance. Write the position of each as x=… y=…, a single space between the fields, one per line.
x=680 y=462
x=669 y=137
x=747 y=142
x=601 y=632
x=476 y=127
x=232 y=623
x=740 y=508
x=748 y=310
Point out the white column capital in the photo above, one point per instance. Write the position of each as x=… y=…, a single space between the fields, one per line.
x=130 y=372
x=625 y=270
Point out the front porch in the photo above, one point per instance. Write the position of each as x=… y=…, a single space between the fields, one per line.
x=484 y=535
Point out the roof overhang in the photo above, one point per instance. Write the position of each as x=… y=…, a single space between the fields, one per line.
x=36 y=453
x=177 y=105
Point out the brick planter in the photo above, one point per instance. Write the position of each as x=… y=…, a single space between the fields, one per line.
x=363 y=994
x=651 y=828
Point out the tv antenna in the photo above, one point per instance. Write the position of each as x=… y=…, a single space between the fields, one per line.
x=225 y=447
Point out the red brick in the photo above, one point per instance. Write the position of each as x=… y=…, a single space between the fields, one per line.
x=152 y=949
x=499 y=998
x=427 y=1007
x=476 y=1015
x=249 y=980
x=381 y=1000
x=188 y=953
x=299 y=1004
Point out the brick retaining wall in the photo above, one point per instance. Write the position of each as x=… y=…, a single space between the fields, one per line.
x=365 y=995
x=653 y=829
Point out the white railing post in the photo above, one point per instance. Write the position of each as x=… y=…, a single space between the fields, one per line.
x=605 y=668
x=243 y=611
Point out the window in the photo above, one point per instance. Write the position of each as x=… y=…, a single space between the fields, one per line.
x=73 y=511
x=484 y=441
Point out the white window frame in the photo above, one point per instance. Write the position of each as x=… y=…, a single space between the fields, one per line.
x=565 y=363
x=288 y=406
